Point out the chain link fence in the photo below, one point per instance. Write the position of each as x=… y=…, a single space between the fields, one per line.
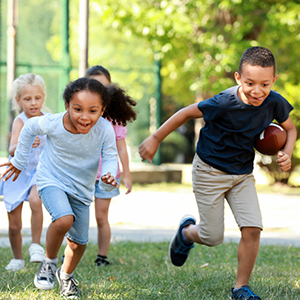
x=42 y=44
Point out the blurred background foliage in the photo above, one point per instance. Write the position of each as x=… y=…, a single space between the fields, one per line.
x=198 y=44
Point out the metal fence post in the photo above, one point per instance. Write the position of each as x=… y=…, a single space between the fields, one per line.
x=65 y=62
x=157 y=97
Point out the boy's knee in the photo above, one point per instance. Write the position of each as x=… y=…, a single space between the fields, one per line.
x=212 y=239
x=252 y=233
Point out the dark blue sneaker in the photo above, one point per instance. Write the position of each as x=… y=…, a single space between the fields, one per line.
x=178 y=251
x=243 y=293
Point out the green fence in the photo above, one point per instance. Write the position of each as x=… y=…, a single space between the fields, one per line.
x=34 y=29
x=42 y=47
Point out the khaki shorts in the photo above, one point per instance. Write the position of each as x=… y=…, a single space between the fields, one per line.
x=211 y=187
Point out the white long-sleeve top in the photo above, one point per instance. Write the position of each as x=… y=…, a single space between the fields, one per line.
x=69 y=161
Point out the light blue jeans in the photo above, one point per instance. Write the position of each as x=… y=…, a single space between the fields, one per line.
x=58 y=203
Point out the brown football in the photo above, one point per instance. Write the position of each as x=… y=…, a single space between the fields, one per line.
x=271 y=140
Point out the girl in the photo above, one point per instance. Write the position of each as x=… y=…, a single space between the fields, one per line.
x=102 y=198
x=67 y=170
x=28 y=95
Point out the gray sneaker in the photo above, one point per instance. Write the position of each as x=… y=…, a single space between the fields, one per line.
x=68 y=288
x=44 y=279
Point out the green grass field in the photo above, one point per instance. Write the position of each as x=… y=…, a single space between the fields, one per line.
x=144 y=271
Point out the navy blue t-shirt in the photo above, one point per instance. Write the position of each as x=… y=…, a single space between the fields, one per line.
x=227 y=140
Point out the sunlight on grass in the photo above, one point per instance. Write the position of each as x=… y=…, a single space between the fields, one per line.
x=144 y=271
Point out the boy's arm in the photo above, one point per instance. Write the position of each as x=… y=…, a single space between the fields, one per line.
x=150 y=145
x=284 y=156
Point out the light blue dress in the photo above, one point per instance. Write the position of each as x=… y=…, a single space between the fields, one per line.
x=15 y=192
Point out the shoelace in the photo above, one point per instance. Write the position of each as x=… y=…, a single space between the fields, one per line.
x=70 y=286
x=183 y=249
x=245 y=291
x=46 y=273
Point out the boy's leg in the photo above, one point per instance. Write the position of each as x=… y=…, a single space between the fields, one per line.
x=247 y=253
x=243 y=201
x=209 y=186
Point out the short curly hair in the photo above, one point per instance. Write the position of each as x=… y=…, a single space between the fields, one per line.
x=257 y=56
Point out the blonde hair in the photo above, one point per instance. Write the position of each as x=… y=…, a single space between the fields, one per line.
x=24 y=80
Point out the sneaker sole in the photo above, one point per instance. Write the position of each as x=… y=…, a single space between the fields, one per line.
x=183 y=218
x=41 y=286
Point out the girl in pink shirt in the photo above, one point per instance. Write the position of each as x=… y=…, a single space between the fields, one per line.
x=102 y=198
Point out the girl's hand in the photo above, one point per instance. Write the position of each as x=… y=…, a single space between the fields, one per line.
x=283 y=161
x=11 y=170
x=36 y=142
x=128 y=184
x=108 y=179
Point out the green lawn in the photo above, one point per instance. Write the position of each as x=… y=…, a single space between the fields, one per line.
x=144 y=271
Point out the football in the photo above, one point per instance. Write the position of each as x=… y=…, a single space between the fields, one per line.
x=271 y=140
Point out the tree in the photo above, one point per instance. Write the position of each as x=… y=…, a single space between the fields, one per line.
x=200 y=42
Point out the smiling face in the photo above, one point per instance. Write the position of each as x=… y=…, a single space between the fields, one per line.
x=31 y=100
x=83 y=112
x=255 y=83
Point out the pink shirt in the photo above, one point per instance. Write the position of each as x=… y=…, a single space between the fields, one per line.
x=121 y=133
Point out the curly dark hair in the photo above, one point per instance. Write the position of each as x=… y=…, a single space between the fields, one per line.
x=257 y=56
x=116 y=102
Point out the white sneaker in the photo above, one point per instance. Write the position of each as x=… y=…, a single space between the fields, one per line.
x=37 y=253
x=15 y=265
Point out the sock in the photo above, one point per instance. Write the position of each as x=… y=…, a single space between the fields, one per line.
x=64 y=275
x=184 y=239
x=52 y=261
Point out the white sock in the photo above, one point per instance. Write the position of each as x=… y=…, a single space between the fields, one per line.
x=64 y=275
x=51 y=261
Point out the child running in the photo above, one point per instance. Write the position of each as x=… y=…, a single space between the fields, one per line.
x=103 y=198
x=223 y=163
x=67 y=171
x=28 y=95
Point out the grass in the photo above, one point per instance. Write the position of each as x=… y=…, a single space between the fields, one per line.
x=144 y=271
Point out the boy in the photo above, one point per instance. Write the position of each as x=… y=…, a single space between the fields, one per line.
x=223 y=163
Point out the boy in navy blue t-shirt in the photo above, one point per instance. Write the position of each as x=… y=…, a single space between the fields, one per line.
x=223 y=163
